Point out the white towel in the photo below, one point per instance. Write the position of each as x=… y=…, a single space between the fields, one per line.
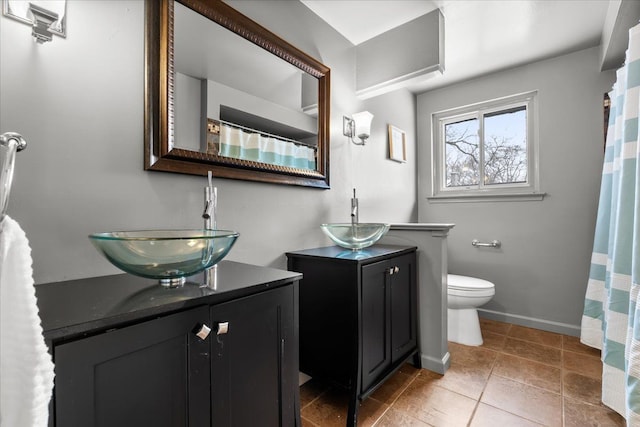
x=26 y=369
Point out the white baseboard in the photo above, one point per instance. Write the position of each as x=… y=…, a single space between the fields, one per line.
x=531 y=322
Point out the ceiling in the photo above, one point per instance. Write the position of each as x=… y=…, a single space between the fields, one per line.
x=481 y=36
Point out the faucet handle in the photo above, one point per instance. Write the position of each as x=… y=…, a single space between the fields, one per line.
x=206 y=214
x=210 y=205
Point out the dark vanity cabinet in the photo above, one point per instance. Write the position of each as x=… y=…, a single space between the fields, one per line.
x=154 y=373
x=255 y=364
x=128 y=352
x=358 y=315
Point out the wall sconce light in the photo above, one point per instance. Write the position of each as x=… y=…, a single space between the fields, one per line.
x=358 y=125
x=44 y=21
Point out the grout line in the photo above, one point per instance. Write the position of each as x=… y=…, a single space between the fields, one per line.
x=493 y=365
x=314 y=399
x=390 y=405
x=308 y=421
x=532 y=360
x=535 y=342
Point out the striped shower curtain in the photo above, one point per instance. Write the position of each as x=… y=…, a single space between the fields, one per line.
x=253 y=146
x=611 y=319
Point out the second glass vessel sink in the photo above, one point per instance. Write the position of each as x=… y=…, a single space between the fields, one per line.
x=355 y=236
x=167 y=255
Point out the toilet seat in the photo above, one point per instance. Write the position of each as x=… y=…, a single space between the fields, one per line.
x=466 y=283
x=472 y=287
x=471 y=293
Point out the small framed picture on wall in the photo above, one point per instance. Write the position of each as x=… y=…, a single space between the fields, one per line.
x=397 y=144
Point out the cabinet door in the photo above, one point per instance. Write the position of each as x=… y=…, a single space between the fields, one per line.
x=375 y=324
x=155 y=373
x=254 y=368
x=403 y=306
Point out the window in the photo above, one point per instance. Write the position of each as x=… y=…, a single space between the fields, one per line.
x=486 y=150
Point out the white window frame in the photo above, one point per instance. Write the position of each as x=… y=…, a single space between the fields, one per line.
x=481 y=192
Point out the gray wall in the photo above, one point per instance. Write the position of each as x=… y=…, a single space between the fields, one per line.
x=403 y=53
x=541 y=271
x=79 y=103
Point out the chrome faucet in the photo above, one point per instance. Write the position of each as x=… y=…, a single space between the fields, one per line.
x=210 y=205
x=354 y=208
x=209 y=216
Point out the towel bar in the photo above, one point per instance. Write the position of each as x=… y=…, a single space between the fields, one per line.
x=10 y=143
x=493 y=244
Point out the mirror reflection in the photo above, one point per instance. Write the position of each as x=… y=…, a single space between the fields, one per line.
x=239 y=100
x=235 y=99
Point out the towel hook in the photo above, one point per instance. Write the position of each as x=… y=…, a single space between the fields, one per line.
x=10 y=143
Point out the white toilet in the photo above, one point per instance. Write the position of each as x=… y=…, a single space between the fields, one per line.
x=465 y=295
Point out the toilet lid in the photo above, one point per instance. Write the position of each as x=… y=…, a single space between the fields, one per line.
x=467 y=283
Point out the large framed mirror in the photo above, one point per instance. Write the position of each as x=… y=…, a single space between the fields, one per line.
x=224 y=94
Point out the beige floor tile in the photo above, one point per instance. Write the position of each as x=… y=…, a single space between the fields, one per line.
x=580 y=414
x=370 y=411
x=329 y=410
x=488 y=416
x=583 y=388
x=582 y=363
x=410 y=370
x=394 y=418
x=493 y=341
x=391 y=389
x=460 y=352
x=466 y=376
x=574 y=344
x=310 y=391
x=532 y=351
x=535 y=335
x=307 y=423
x=529 y=372
x=488 y=325
x=526 y=401
x=435 y=405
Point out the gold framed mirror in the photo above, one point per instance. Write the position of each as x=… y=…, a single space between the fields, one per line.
x=234 y=137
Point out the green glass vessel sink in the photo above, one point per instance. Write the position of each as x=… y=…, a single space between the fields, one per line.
x=355 y=236
x=166 y=255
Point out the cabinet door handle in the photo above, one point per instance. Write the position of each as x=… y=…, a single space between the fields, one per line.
x=223 y=328
x=203 y=332
x=396 y=269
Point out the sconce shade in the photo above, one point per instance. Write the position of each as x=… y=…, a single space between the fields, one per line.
x=362 y=124
x=46 y=17
x=42 y=20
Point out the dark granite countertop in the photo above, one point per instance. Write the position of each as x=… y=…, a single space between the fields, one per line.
x=370 y=254
x=80 y=307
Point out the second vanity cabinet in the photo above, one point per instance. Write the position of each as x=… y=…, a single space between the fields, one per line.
x=358 y=315
x=128 y=352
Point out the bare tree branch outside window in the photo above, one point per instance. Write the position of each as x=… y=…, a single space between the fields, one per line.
x=504 y=149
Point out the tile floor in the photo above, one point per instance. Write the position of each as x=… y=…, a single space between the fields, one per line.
x=518 y=377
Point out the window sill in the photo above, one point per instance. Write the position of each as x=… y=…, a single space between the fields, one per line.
x=476 y=197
